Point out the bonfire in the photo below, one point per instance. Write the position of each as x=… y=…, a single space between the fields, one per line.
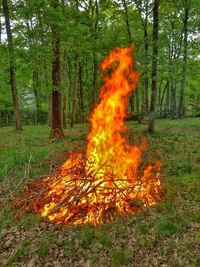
x=110 y=177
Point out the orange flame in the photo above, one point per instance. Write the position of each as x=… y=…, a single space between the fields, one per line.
x=109 y=179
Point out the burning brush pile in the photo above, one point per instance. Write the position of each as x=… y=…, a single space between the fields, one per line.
x=110 y=177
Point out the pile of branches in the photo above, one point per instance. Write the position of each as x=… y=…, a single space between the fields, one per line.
x=72 y=196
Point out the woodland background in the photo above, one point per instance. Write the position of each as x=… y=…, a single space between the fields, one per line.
x=51 y=53
x=50 y=56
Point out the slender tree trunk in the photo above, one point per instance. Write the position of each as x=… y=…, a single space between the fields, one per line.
x=64 y=107
x=181 y=108
x=57 y=129
x=130 y=41
x=0 y=57
x=70 y=84
x=81 y=92
x=146 y=49
x=37 y=96
x=45 y=69
x=95 y=71
x=143 y=11
x=75 y=91
x=95 y=62
x=65 y=89
x=127 y=21
x=131 y=101
x=152 y=113
x=167 y=100
x=162 y=98
x=0 y=26
x=173 y=101
x=137 y=105
x=13 y=81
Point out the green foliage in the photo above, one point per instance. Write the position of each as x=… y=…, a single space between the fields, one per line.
x=93 y=31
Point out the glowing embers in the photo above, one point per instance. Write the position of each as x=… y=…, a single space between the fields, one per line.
x=111 y=177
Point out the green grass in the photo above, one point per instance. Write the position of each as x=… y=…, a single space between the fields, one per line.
x=86 y=235
x=44 y=245
x=70 y=249
x=120 y=257
x=20 y=253
x=170 y=227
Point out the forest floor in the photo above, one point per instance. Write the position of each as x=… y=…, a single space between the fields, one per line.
x=166 y=235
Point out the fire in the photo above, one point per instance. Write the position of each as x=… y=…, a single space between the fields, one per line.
x=111 y=176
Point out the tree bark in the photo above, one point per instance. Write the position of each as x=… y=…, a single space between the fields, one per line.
x=137 y=104
x=57 y=129
x=37 y=96
x=181 y=108
x=81 y=104
x=152 y=112
x=144 y=20
x=45 y=68
x=64 y=107
x=127 y=22
x=146 y=48
x=75 y=91
x=13 y=81
x=162 y=98
x=64 y=117
x=95 y=62
x=130 y=41
x=173 y=101
x=0 y=26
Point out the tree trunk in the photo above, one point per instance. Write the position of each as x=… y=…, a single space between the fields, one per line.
x=94 y=90
x=0 y=27
x=81 y=92
x=181 y=108
x=127 y=22
x=49 y=100
x=167 y=100
x=13 y=81
x=75 y=91
x=132 y=107
x=95 y=63
x=130 y=41
x=57 y=130
x=70 y=84
x=64 y=117
x=173 y=101
x=143 y=9
x=146 y=48
x=137 y=105
x=45 y=69
x=152 y=113
x=37 y=96
x=162 y=98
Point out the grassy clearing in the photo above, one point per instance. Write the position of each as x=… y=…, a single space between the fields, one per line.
x=168 y=234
